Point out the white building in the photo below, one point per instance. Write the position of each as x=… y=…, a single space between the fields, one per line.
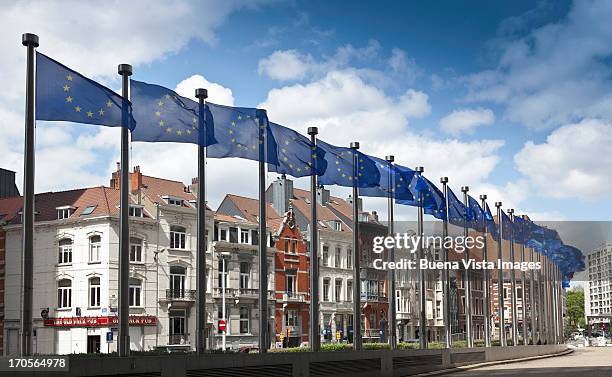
x=597 y=299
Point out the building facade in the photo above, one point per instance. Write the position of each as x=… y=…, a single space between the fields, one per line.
x=597 y=294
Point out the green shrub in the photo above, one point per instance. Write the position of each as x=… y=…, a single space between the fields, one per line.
x=291 y=350
x=327 y=347
x=408 y=346
x=376 y=346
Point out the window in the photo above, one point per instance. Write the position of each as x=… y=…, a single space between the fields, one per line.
x=349 y=259
x=337 y=257
x=294 y=246
x=64 y=212
x=136 y=211
x=88 y=210
x=325 y=261
x=398 y=301
x=64 y=293
x=291 y=318
x=94 y=248
x=177 y=281
x=223 y=234
x=245 y=320
x=222 y=272
x=94 y=292
x=244 y=236
x=325 y=289
x=519 y=292
x=245 y=272
x=349 y=291
x=338 y=290
x=173 y=201
x=290 y=286
x=335 y=225
x=135 y=292
x=177 y=237
x=135 y=249
x=287 y=245
x=65 y=251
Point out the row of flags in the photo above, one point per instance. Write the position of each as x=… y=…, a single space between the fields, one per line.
x=158 y=114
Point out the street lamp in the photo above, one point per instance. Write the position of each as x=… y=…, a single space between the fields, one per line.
x=223 y=255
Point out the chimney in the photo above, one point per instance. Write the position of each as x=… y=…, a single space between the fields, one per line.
x=322 y=196
x=375 y=216
x=282 y=193
x=8 y=188
x=193 y=187
x=115 y=177
x=349 y=200
x=136 y=179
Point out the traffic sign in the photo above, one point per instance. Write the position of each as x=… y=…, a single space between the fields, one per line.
x=222 y=324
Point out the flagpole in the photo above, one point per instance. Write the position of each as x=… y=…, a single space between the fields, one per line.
x=554 y=313
x=125 y=70
x=545 y=315
x=467 y=286
x=27 y=267
x=540 y=300
x=422 y=291
x=500 y=278
x=523 y=300
x=263 y=237
x=486 y=290
x=445 y=272
x=560 y=306
x=532 y=312
x=513 y=283
x=356 y=262
x=201 y=94
x=391 y=272
x=315 y=334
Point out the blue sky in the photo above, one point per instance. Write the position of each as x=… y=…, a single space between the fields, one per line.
x=510 y=98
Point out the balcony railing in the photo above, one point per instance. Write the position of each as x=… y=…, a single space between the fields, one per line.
x=178 y=339
x=296 y=297
x=240 y=292
x=373 y=297
x=181 y=294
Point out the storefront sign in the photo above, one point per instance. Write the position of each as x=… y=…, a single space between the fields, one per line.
x=102 y=321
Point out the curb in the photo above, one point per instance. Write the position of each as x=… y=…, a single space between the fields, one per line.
x=497 y=362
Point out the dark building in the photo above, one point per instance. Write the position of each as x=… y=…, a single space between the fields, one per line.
x=8 y=188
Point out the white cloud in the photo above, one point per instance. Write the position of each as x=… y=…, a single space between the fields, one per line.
x=216 y=93
x=92 y=38
x=285 y=65
x=575 y=161
x=466 y=120
x=556 y=73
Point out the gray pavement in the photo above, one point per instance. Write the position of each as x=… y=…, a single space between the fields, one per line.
x=583 y=362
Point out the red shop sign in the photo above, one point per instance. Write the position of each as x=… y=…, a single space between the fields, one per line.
x=101 y=321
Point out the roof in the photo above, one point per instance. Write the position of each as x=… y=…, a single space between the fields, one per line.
x=156 y=188
x=301 y=202
x=9 y=208
x=249 y=210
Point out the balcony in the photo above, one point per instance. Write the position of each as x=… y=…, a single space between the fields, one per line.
x=180 y=294
x=294 y=297
x=370 y=297
x=247 y=293
x=178 y=339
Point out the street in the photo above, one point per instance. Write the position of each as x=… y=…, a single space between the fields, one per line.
x=583 y=362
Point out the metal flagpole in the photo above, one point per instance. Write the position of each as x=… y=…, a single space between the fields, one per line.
x=125 y=70
x=356 y=262
x=532 y=312
x=467 y=286
x=315 y=333
x=201 y=94
x=486 y=288
x=446 y=272
x=561 y=305
x=554 y=301
x=545 y=314
x=500 y=277
x=523 y=299
x=391 y=272
x=27 y=231
x=262 y=119
x=540 y=301
x=422 y=290
x=513 y=283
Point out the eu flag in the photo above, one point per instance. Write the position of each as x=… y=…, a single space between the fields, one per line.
x=476 y=215
x=457 y=213
x=65 y=95
x=507 y=226
x=425 y=194
x=161 y=115
x=297 y=156
x=394 y=179
x=240 y=132
x=491 y=226
x=340 y=167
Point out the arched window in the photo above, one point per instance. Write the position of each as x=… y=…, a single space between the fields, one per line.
x=95 y=243
x=64 y=293
x=177 y=237
x=94 y=292
x=135 y=249
x=177 y=281
x=135 y=296
x=65 y=251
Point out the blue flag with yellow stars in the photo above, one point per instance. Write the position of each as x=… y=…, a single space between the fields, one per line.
x=507 y=226
x=161 y=115
x=491 y=226
x=457 y=213
x=424 y=193
x=65 y=95
x=340 y=167
x=392 y=180
x=476 y=215
x=297 y=156
x=240 y=132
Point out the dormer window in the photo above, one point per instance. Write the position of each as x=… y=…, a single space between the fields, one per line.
x=64 y=212
x=173 y=200
x=335 y=225
x=136 y=211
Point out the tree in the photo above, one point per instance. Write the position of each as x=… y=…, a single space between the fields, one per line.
x=575 y=308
